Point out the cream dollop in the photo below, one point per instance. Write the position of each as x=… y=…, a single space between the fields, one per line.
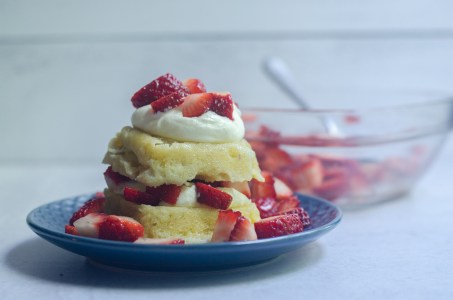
x=208 y=128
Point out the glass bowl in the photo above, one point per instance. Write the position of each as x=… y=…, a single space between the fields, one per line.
x=349 y=157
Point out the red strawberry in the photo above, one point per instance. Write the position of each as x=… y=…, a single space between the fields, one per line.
x=223 y=105
x=118 y=228
x=264 y=189
x=138 y=197
x=89 y=224
x=168 y=102
x=266 y=206
x=281 y=189
x=333 y=188
x=243 y=231
x=303 y=215
x=196 y=104
x=163 y=241
x=70 y=230
x=213 y=197
x=275 y=159
x=166 y=192
x=195 y=86
x=114 y=178
x=242 y=187
x=278 y=226
x=226 y=220
x=287 y=203
x=94 y=205
x=308 y=175
x=156 y=89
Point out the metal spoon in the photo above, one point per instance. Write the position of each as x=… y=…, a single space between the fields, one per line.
x=280 y=73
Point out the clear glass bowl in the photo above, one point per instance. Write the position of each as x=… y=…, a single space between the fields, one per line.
x=368 y=156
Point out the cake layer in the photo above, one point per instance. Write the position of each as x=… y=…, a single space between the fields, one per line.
x=189 y=223
x=155 y=161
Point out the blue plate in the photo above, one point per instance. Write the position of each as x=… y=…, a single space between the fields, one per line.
x=48 y=221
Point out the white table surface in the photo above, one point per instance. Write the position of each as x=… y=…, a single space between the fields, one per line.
x=395 y=250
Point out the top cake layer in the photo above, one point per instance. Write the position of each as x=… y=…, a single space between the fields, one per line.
x=154 y=161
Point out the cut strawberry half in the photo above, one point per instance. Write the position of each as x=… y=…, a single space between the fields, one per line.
x=114 y=178
x=94 y=205
x=213 y=197
x=264 y=189
x=242 y=187
x=169 y=102
x=243 y=231
x=275 y=159
x=222 y=105
x=282 y=190
x=333 y=188
x=138 y=197
x=195 y=86
x=118 y=228
x=71 y=230
x=166 y=192
x=163 y=241
x=156 y=89
x=89 y=225
x=303 y=215
x=226 y=220
x=196 y=104
x=278 y=226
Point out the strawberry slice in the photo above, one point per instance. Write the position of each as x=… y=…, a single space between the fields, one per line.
x=163 y=241
x=333 y=188
x=213 y=197
x=89 y=225
x=114 y=178
x=94 y=205
x=303 y=215
x=278 y=226
x=243 y=231
x=281 y=189
x=166 y=192
x=275 y=159
x=287 y=203
x=222 y=105
x=264 y=189
x=138 y=197
x=118 y=228
x=71 y=230
x=195 y=86
x=266 y=206
x=156 y=89
x=243 y=187
x=169 y=102
x=196 y=104
x=225 y=223
x=308 y=175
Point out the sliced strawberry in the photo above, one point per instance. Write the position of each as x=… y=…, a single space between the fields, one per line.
x=118 y=228
x=264 y=189
x=287 y=203
x=94 y=205
x=266 y=206
x=169 y=102
x=196 y=104
x=89 y=225
x=166 y=192
x=195 y=86
x=213 y=197
x=308 y=175
x=242 y=187
x=163 y=241
x=278 y=226
x=222 y=105
x=71 y=230
x=333 y=188
x=281 y=189
x=275 y=159
x=138 y=197
x=243 y=231
x=303 y=215
x=156 y=89
x=114 y=178
x=226 y=220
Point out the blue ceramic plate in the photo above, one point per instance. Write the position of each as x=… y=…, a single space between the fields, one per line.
x=48 y=221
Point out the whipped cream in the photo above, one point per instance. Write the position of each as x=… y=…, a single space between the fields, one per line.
x=208 y=128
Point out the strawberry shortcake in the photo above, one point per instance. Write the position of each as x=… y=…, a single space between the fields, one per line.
x=183 y=173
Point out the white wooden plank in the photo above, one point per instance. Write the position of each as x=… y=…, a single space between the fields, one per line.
x=64 y=102
x=28 y=18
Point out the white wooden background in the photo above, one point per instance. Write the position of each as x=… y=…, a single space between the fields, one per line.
x=68 y=68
